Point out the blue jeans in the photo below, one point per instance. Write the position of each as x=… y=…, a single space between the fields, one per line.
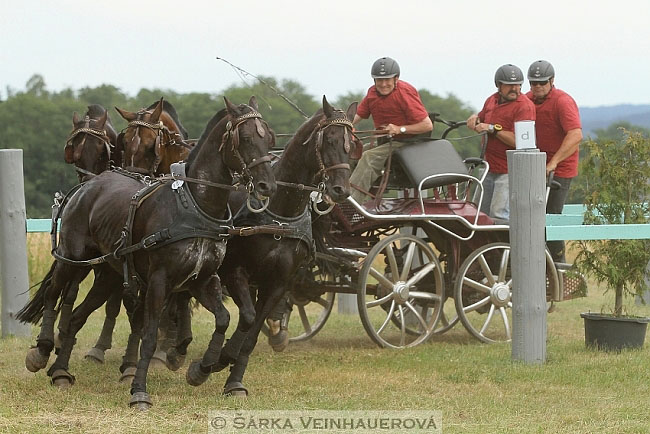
x=496 y=196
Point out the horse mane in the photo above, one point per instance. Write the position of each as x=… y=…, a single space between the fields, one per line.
x=171 y=111
x=206 y=133
x=305 y=130
x=95 y=111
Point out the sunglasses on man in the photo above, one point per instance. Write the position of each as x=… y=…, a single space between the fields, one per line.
x=539 y=83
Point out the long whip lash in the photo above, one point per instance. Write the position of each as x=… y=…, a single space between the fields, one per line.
x=240 y=70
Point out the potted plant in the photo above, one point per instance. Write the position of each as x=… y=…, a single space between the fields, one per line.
x=616 y=176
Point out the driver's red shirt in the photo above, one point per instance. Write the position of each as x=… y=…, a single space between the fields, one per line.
x=556 y=115
x=403 y=106
x=504 y=114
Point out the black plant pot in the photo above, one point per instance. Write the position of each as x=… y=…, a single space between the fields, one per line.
x=610 y=333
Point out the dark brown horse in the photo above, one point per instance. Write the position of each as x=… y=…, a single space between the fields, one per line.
x=180 y=227
x=317 y=157
x=154 y=138
x=91 y=146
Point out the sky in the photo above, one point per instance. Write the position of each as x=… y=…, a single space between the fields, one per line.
x=600 y=49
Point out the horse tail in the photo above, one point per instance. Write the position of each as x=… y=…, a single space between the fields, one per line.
x=33 y=310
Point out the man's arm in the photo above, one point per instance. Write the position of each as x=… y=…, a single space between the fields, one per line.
x=569 y=145
x=424 y=126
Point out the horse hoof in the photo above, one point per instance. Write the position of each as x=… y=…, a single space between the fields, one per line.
x=95 y=355
x=128 y=375
x=140 y=401
x=174 y=360
x=62 y=379
x=195 y=375
x=158 y=360
x=235 y=389
x=35 y=361
x=279 y=342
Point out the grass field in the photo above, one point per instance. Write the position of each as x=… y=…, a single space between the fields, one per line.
x=477 y=387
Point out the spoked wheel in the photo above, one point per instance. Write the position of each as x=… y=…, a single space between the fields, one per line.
x=483 y=292
x=448 y=317
x=399 y=298
x=312 y=315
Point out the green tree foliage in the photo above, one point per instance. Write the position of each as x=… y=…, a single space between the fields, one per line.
x=39 y=121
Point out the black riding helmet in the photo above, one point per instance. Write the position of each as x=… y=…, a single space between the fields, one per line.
x=541 y=70
x=384 y=67
x=508 y=74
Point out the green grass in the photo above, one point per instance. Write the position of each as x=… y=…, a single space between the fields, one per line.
x=477 y=387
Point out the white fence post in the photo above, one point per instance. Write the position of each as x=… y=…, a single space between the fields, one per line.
x=13 y=243
x=527 y=179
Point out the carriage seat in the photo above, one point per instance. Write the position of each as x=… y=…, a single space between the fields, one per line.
x=433 y=157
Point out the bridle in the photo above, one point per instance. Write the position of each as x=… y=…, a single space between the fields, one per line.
x=86 y=130
x=162 y=132
x=232 y=135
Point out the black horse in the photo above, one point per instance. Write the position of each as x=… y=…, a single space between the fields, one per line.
x=317 y=156
x=178 y=239
x=92 y=144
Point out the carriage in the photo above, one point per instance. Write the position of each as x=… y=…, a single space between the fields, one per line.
x=420 y=257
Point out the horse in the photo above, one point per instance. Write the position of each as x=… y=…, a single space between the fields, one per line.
x=182 y=228
x=316 y=156
x=154 y=138
x=92 y=144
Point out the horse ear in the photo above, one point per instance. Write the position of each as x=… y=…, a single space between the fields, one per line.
x=129 y=116
x=351 y=111
x=155 y=116
x=75 y=119
x=327 y=108
x=253 y=103
x=232 y=109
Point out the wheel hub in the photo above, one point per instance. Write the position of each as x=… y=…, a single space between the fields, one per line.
x=500 y=294
x=401 y=292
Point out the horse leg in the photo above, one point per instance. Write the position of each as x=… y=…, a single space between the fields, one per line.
x=239 y=289
x=209 y=297
x=157 y=290
x=96 y=353
x=183 y=335
x=167 y=331
x=43 y=305
x=278 y=322
x=105 y=280
x=135 y=313
x=234 y=385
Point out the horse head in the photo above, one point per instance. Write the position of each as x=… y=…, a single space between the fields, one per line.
x=245 y=146
x=328 y=151
x=153 y=138
x=91 y=144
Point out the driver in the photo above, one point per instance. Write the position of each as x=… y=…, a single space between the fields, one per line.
x=395 y=106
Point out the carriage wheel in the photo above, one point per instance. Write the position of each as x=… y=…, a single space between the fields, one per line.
x=312 y=313
x=448 y=317
x=483 y=292
x=399 y=300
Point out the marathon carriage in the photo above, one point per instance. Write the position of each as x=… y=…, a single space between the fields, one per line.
x=419 y=256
